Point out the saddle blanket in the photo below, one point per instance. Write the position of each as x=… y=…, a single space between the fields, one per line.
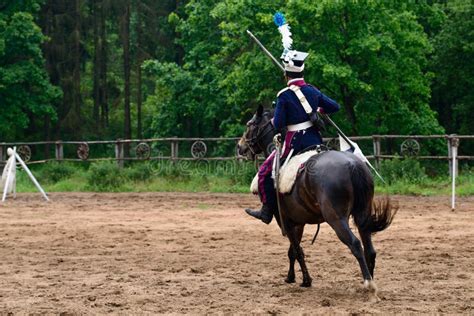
x=288 y=172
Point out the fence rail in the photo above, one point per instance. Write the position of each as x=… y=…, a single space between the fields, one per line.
x=171 y=148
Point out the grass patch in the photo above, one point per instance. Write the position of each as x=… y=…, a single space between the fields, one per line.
x=401 y=176
x=229 y=176
x=409 y=177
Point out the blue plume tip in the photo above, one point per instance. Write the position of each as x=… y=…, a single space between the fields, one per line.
x=279 y=19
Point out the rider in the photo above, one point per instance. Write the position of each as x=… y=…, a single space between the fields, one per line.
x=290 y=112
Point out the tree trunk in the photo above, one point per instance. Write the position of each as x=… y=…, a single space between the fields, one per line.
x=97 y=60
x=76 y=76
x=47 y=135
x=48 y=24
x=139 y=100
x=139 y=69
x=103 y=67
x=126 y=68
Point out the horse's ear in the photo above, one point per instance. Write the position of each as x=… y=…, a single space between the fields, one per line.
x=260 y=111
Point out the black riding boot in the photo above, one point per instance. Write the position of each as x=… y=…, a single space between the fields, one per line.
x=265 y=214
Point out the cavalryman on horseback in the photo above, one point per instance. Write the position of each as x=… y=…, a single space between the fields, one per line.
x=297 y=108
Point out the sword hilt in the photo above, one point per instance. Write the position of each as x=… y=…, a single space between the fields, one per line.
x=277 y=140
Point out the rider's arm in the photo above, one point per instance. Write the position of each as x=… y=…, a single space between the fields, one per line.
x=279 y=119
x=327 y=104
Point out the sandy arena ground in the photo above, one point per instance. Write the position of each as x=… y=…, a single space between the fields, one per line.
x=200 y=253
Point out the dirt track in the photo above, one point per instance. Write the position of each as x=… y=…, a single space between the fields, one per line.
x=199 y=253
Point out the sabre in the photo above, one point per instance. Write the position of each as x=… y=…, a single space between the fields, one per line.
x=355 y=148
x=277 y=142
x=266 y=51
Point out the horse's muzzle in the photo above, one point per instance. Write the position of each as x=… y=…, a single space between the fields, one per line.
x=243 y=150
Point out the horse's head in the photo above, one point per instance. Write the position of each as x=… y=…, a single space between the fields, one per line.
x=258 y=135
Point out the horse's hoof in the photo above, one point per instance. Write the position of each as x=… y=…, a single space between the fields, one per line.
x=372 y=289
x=306 y=284
x=373 y=298
x=290 y=280
x=370 y=286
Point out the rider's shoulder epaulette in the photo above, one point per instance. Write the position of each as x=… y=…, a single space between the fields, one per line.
x=282 y=90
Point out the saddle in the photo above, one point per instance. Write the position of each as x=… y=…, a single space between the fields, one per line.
x=291 y=169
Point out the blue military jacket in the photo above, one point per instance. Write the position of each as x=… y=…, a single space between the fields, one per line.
x=289 y=111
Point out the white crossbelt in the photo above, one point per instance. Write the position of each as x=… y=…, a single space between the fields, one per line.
x=300 y=126
x=304 y=102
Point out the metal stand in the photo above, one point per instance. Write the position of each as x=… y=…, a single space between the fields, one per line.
x=12 y=153
x=11 y=164
x=454 y=153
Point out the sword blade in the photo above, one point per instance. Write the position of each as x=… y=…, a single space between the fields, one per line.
x=266 y=51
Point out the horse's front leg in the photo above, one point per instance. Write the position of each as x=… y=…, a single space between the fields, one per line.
x=291 y=271
x=295 y=233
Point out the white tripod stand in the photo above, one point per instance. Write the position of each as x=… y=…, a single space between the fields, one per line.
x=8 y=181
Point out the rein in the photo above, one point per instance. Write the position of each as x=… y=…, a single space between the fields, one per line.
x=259 y=134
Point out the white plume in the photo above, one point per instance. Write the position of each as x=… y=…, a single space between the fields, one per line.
x=286 y=39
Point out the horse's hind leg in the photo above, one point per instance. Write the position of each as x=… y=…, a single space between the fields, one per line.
x=294 y=235
x=345 y=234
x=369 y=250
x=292 y=256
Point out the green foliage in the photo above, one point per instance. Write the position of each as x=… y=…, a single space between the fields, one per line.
x=453 y=87
x=11 y=7
x=402 y=176
x=205 y=77
x=56 y=171
x=229 y=176
x=105 y=176
x=371 y=56
x=187 y=100
x=440 y=185
x=402 y=170
x=25 y=90
x=142 y=171
x=176 y=108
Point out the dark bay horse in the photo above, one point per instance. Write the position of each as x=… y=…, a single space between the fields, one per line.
x=332 y=186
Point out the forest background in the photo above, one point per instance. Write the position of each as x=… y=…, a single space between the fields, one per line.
x=123 y=69
x=103 y=69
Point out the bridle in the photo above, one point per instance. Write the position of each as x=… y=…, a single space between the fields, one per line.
x=257 y=134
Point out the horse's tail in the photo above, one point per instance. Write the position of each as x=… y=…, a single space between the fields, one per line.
x=369 y=215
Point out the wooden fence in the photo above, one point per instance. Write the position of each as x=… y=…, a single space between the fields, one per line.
x=176 y=149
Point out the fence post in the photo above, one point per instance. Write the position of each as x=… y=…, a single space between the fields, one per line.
x=174 y=150
x=450 y=156
x=452 y=142
x=59 y=150
x=454 y=172
x=2 y=153
x=376 y=141
x=119 y=152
